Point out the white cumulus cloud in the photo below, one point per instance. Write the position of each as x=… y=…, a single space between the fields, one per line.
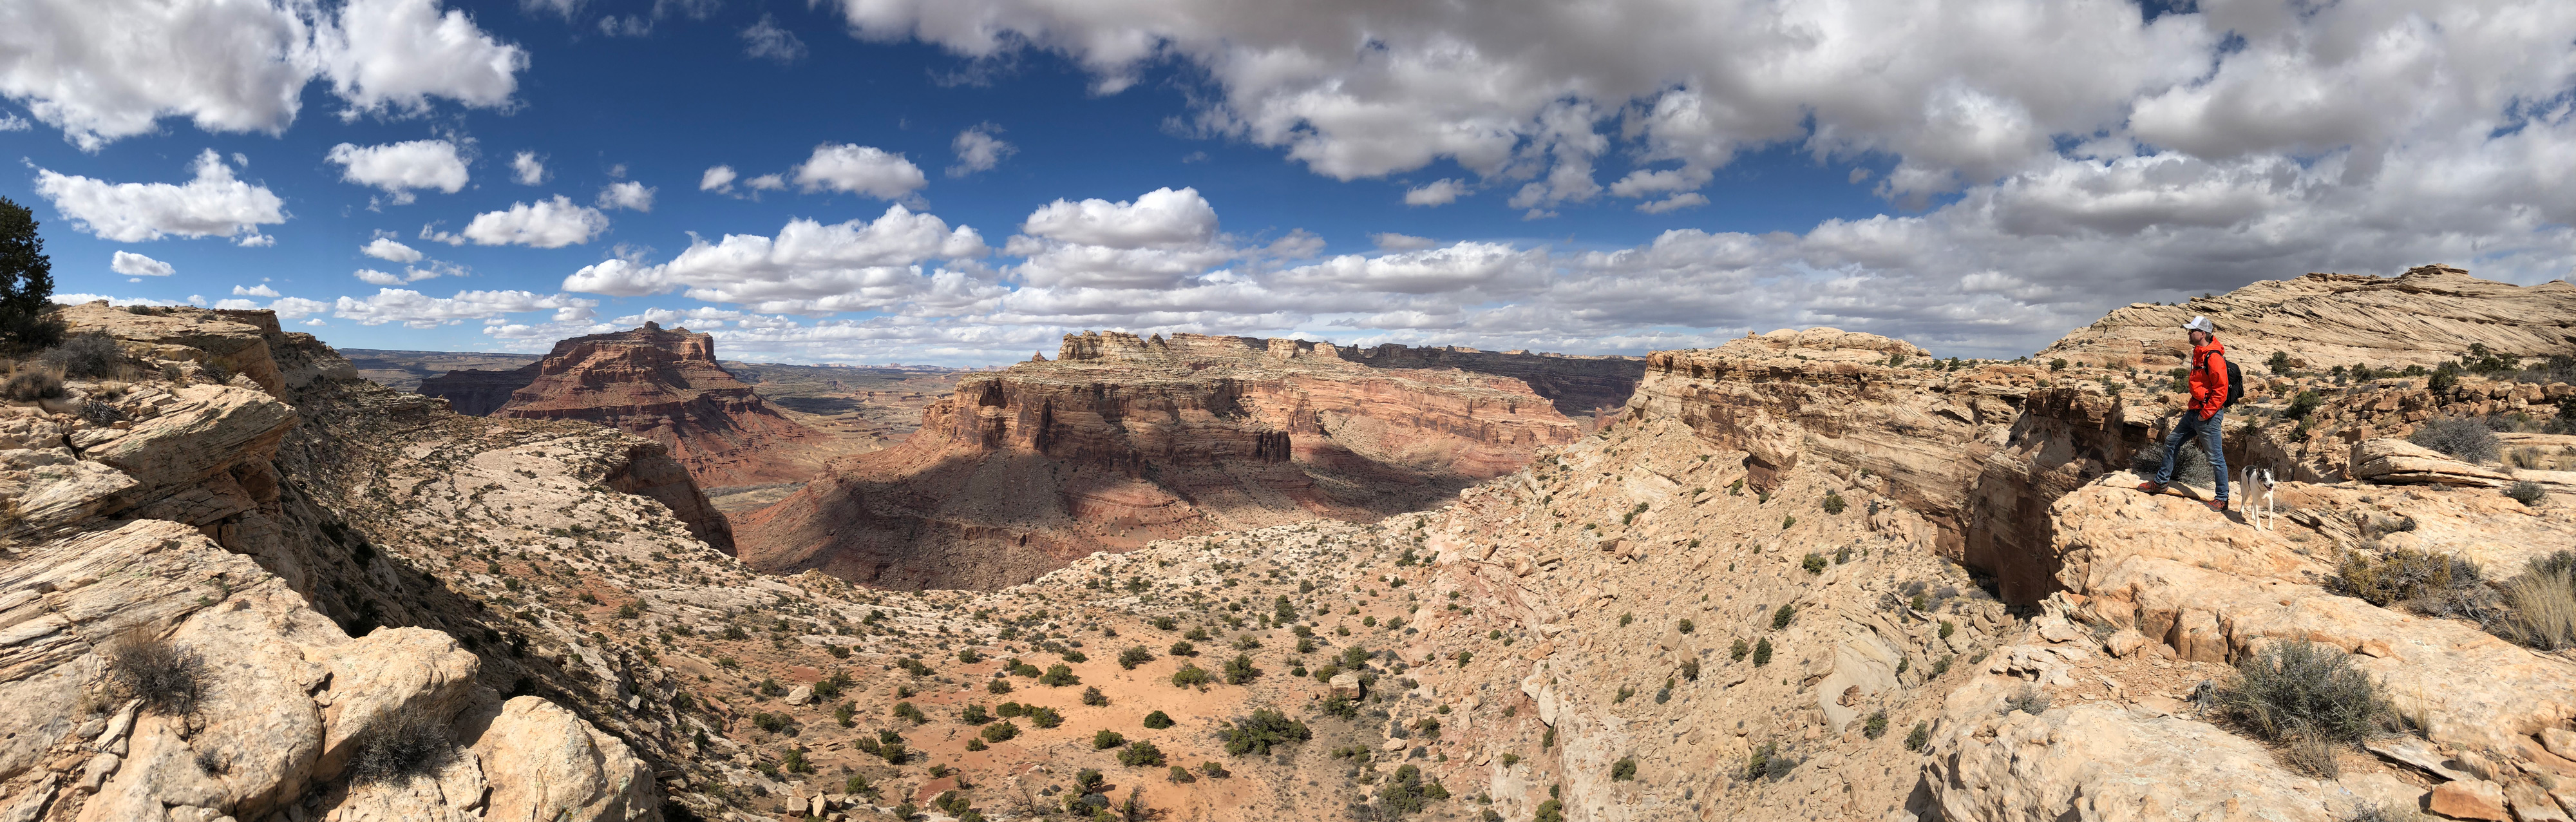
x=717 y=178
x=136 y=265
x=809 y=267
x=385 y=248
x=416 y=310
x=551 y=223
x=103 y=70
x=400 y=168
x=766 y=40
x=212 y=205
x=527 y=168
x=1436 y=193
x=978 y=150
x=858 y=169
x=628 y=195
x=261 y=290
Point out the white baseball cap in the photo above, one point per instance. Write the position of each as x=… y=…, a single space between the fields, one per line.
x=2200 y=324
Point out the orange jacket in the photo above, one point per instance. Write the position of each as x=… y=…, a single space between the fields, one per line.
x=2208 y=378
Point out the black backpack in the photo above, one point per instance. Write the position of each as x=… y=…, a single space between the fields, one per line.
x=2235 y=381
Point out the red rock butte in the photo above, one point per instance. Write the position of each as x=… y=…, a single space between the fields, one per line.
x=662 y=384
x=1122 y=440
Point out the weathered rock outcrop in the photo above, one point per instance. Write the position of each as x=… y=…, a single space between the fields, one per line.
x=2427 y=315
x=662 y=384
x=175 y=511
x=1123 y=439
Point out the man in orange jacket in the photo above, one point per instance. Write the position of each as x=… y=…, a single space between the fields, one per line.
x=2207 y=410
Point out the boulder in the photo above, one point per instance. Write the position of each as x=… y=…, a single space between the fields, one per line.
x=547 y=765
x=210 y=429
x=1345 y=685
x=1984 y=764
x=2398 y=461
x=390 y=672
x=2470 y=799
x=800 y=695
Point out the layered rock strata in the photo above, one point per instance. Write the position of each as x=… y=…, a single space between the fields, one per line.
x=1123 y=439
x=664 y=385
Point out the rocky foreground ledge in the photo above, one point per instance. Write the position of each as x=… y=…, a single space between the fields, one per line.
x=1805 y=575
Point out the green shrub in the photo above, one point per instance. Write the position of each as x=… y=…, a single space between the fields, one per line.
x=1876 y=725
x=1140 y=754
x=401 y=745
x=1919 y=737
x=2295 y=691
x=1058 y=676
x=1002 y=731
x=2302 y=405
x=1623 y=770
x=1184 y=648
x=31 y=384
x=1008 y=710
x=1180 y=775
x=1158 y=720
x=1690 y=669
x=2467 y=440
x=1948 y=628
x=1814 y=563
x=2058 y=364
x=1833 y=502
x=1044 y=717
x=1190 y=675
x=1263 y=730
x=1105 y=739
x=1780 y=618
x=1550 y=811
x=87 y=355
x=1405 y=792
x=997 y=685
x=1762 y=653
x=2543 y=603
x=1134 y=655
x=168 y=679
x=2030 y=700
x=2527 y=492
x=1239 y=670
x=2399 y=575
x=907 y=711
x=1093 y=697
x=1740 y=650
x=974 y=715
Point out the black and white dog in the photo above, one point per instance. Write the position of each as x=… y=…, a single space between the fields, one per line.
x=2254 y=495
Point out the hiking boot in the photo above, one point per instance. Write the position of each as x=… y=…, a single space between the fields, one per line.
x=2218 y=505
x=2151 y=487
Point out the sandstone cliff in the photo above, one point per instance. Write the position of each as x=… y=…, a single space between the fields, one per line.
x=663 y=385
x=1121 y=440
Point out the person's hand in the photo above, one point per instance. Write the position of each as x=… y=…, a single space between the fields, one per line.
x=2206 y=413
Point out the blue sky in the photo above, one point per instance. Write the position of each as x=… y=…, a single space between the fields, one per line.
x=959 y=182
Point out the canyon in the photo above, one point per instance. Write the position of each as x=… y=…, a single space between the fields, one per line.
x=667 y=385
x=1122 y=440
x=1804 y=574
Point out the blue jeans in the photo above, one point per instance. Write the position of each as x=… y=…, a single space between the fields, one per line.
x=2207 y=431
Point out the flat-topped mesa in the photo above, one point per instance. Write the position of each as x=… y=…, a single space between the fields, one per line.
x=1577 y=384
x=478 y=391
x=665 y=385
x=1123 y=439
x=2426 y=316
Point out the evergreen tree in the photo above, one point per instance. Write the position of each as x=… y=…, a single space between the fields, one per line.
x=26 y=284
